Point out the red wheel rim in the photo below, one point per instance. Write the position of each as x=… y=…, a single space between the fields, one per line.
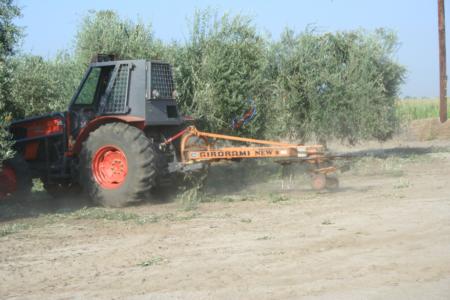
x=110 y=167
x=8 y=181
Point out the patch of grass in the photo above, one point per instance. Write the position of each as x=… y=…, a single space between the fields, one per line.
x=402 y=184
x=193 y=192
x=275 y=198
x=38 y=186
x=189 y=201
x=98 y=213
x=392 y=166
x=13 y=228
x=246 y=220
x=141 y=220
x=175 y=217
x=414 y=109
x=157 y=260
x=231 y=198
x=273 y=253
x=264 y=238
x=227 y=199
x=327 y=222
x=393 y=195
x=104 y=214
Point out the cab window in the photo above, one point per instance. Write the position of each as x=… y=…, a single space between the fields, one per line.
x=87 y=93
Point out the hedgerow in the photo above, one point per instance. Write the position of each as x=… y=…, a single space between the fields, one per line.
x=307 y=85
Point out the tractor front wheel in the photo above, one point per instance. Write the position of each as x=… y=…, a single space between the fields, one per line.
x=117 y=165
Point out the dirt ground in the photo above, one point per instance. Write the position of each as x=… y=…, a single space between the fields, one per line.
x=385 y=234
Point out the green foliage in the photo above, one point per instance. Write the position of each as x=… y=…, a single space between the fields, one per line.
x=219 y=68
x=9 y=36
x=414 y=109
x=9 y=32
x=310 y=85
x=105 y=32
x=6 y=151
x=41 y=86
x=156 y=260
x=12 y=228
x=339 y=85
x=6 y=72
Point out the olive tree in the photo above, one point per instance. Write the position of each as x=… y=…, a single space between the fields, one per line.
x=42 y=86
x=106 y=33
x=340 y=85
x=219 y=68
x=9 y=37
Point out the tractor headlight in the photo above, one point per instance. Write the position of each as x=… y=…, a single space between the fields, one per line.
x=174 y=94
x=155 y=94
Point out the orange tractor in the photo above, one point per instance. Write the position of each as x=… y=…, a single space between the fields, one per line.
x=123 y=133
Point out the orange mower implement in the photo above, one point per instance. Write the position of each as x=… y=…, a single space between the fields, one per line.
x=198 y=146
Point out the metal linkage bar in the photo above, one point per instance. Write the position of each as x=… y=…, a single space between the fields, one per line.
x=203 y=150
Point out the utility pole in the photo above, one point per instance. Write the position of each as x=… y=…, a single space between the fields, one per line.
x=442 y=64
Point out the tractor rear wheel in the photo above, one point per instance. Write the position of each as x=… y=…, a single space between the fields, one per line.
x=117 y=165
x=15 y=179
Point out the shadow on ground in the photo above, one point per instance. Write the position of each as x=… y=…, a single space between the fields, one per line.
x=402 y=152
x=40 y=203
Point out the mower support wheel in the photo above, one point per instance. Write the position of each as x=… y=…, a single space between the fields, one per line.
x=318 y=181
x=321 y=181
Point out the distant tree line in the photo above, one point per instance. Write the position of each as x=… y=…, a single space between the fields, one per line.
x=307 y=85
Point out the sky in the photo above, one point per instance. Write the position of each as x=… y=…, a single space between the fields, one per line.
x=51 y=25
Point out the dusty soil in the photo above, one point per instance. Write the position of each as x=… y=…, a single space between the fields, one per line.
x=384 y=235
x=428 y=129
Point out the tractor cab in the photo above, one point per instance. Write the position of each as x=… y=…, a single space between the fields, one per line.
x=138 y=88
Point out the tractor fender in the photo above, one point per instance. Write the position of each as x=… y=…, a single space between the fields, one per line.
x=99 y=121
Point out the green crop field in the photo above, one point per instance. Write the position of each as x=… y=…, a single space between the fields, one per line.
x=414 y=109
